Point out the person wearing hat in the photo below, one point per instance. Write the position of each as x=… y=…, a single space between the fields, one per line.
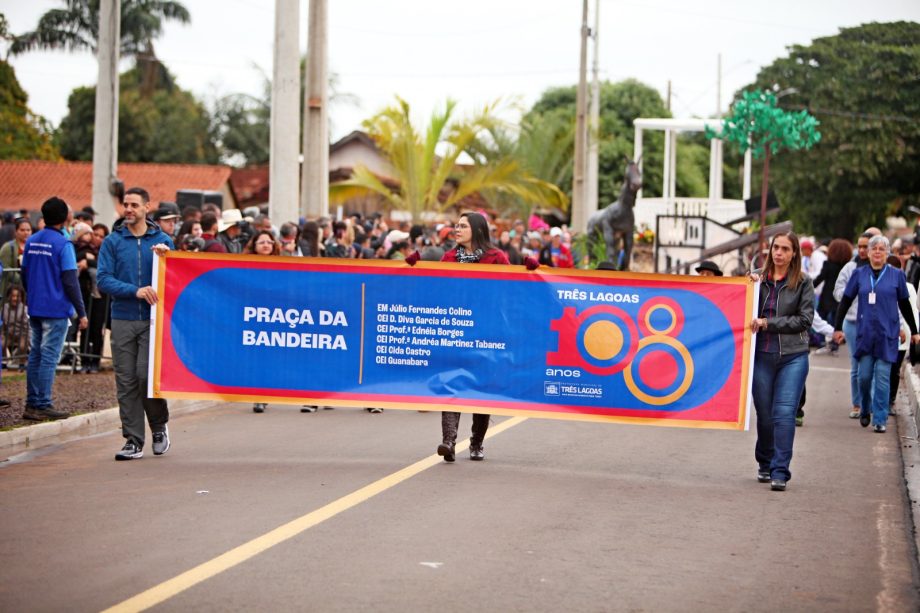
x=230 y=228
x=49 y=275
x=708 y=268
x=125 y=272
x=166 y=216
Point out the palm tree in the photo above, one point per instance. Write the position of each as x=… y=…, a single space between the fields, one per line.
x=543 y=147
x=76 y=27
x=432 y=182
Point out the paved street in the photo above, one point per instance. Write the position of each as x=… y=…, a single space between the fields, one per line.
x=560 y=516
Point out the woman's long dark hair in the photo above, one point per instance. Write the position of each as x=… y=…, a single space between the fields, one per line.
x=311 y=238
x=480 y=231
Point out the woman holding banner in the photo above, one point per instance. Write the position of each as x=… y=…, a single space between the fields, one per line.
x=784 y=314
x=263 y=243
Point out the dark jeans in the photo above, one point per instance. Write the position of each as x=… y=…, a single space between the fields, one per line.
x=450 y=423
x=47 y=342
x=874 y=374
x=777 y=390
x=130 y=346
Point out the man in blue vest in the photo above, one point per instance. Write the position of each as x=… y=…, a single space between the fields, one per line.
x=49 y=274
x=125 y=272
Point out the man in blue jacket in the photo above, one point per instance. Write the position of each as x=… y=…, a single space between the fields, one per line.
x=49 y=275
x=125 y=273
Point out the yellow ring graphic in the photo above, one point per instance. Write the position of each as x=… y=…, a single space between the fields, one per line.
x=688 y=371
x=648 y=318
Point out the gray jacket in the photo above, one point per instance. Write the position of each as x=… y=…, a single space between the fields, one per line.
x=795 y=311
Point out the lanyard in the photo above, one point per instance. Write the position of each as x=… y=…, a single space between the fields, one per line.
x=873 y=281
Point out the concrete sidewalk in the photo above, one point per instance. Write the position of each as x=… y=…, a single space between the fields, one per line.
x=46 y=434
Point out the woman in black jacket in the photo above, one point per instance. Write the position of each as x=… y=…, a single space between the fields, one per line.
x=785 y=311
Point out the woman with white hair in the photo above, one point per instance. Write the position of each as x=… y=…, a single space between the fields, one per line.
x=881 y=291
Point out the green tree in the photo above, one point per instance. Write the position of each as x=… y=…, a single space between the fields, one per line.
x=862 y=84
x=620 y=104
x=543 y=149
x=76 y=28
x=167 y=125
x=431 y=180
x=241 y=123
x=23 y=134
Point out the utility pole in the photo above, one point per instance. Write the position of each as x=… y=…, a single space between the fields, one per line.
x=719 y=86
x=105 y=129
x=314 y=192
x=592 y=175
x=668 y=103
x=283 y=165
x=579 y=219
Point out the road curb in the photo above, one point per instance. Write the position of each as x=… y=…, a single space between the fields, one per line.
x=79 y=426
x=910 y=450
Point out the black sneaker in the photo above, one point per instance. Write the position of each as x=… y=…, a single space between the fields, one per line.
x=36 y=414
x=4 y=403
x=864 y=420
x=879 y=428
x=259 y=407
x=130 y=451
x=161 y=441
x=763 y=476
x=307 y=409
x=374 y=410
x=778 y=485
x=476 y=453
x=447 y=451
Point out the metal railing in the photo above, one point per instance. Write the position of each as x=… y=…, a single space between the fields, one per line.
x=15 y=331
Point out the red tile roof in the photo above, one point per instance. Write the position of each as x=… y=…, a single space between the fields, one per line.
x=26 y=184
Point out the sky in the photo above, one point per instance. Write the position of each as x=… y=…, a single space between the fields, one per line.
x=475 y=52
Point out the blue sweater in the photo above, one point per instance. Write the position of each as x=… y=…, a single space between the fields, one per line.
x=126 y=265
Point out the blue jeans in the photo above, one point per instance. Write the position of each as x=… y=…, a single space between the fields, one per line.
x=47 y=342
x=874 y=369
x=777 y=389
x=849 y=331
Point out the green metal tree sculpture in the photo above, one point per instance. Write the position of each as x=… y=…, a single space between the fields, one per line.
x=756 y=123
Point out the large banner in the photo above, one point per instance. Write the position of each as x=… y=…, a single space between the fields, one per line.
x=588 y=345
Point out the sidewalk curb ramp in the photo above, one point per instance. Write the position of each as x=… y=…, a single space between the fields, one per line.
x=29 y=438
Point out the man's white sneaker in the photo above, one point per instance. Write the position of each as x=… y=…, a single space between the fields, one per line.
x=161 y=441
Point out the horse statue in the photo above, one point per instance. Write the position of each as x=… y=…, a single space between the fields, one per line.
x=617 y=220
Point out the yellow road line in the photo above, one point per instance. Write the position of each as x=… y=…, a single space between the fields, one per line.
x=238 y=555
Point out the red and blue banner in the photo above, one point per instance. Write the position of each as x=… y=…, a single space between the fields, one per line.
x=566 y=344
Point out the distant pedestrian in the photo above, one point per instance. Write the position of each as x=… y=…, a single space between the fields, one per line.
x=125 y=273
x=881 y=291
x=262 y=243
x=784 y=315
x=49 y=275
x=708 y=268
x=849 y=322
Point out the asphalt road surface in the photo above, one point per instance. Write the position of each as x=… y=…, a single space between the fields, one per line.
x=345 y=511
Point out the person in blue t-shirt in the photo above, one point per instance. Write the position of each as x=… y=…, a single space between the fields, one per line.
x=49 y=275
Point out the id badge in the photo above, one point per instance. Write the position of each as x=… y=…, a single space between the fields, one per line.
x=871 y=297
